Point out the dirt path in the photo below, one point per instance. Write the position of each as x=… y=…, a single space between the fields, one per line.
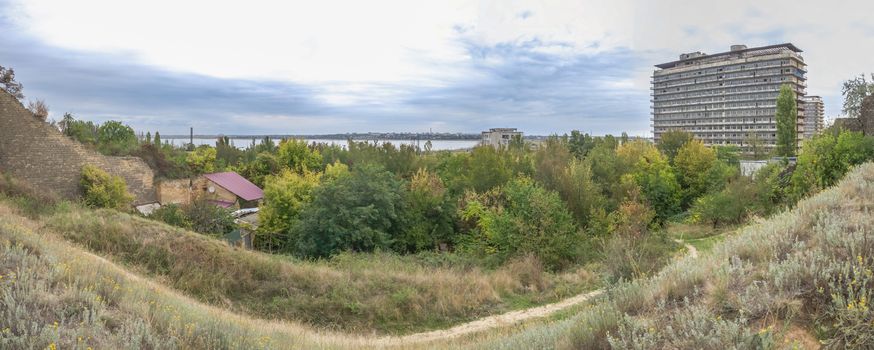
x=486 y=323
x=506 y=319
x=476 y=326
x=693 y=252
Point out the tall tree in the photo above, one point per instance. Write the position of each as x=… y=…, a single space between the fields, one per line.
x=787 y=119
x=158 y=139
x=671 y=141
x=854 y=91
x=8 y=83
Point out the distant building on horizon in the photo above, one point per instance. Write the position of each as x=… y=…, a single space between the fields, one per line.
x=727 y=98
x=814 y=116
x=499 y=137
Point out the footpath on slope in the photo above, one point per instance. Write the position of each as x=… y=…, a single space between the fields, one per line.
x=505 y=319
x=476 y=326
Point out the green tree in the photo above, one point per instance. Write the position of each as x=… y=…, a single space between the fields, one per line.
x=257 y=170
x=297 y=156
x=361 y=213
x=115 y=138
x=101 y=190
x=285 y=195
x=430 y=215
x=650 y=170
x=148 y=139
x=578 y=189
x=158 y=139
x=755 y=145
x=84 y=132
x=787 y=122
x=487 y=169
x=693 y=163
x=201 y=160
x=530 y=220
x=671 y=141
x=855 y=90
x=550 y=161
x=580 y=144
x=826 y=158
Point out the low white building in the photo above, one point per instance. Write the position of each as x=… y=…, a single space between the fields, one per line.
x=499 y=137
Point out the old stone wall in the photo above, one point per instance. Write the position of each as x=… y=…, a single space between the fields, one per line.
x=38 y=153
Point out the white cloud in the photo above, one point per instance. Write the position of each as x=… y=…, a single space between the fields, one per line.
x=349 y=50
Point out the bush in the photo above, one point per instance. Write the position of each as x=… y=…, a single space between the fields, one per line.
x=33 y=201
x=284 y=197
x=172 y=214
x=360 y=212
x=101 y=190
x=528 y=219
x=207 y=218
x=729 y=206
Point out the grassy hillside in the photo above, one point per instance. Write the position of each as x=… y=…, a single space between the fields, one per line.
x=801 y=279
x=381 y=292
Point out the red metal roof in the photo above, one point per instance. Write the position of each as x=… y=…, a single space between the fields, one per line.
x=237 y=184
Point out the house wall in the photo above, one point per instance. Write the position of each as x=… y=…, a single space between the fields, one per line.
x=201 y=187
x=34 y=151
x=174 y=192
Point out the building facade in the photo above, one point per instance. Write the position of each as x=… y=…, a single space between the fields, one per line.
x=727 y=98
x=499 y=137
x=814 y=116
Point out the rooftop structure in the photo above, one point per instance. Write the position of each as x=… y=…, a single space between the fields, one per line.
x=727 y=98
x=499 y=137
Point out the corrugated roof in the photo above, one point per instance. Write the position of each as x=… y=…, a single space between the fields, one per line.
x=237 y=184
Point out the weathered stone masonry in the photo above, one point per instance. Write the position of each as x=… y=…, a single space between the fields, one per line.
x=35 y=151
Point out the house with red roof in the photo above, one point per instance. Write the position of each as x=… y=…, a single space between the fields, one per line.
x=227 y=190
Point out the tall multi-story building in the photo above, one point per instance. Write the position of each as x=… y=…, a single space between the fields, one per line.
x=814 y=116
x=727 y=98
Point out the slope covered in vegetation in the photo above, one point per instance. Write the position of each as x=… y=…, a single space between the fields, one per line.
x=801 y=279
x=381 y=292
x=798 y=279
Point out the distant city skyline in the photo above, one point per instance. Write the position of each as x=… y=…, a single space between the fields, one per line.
x=262 y=67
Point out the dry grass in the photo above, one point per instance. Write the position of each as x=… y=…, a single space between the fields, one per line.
x=352 y=293
x=800 y=279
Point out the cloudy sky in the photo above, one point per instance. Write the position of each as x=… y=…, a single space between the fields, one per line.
x=304 y=67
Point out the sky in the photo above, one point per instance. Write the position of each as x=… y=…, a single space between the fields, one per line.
x=313 y=67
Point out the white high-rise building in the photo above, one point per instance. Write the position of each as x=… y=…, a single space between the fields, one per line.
x=729 y=97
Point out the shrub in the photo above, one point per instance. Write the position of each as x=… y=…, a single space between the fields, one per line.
x=101 y=190
x=296 y=156
x=529 y=220
x=33 y=201
x=201 y=160
x=360 y=212
x=284 y=197
x=207 y=218
x=172 y=214
x=729 y=206
x=115 y=138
